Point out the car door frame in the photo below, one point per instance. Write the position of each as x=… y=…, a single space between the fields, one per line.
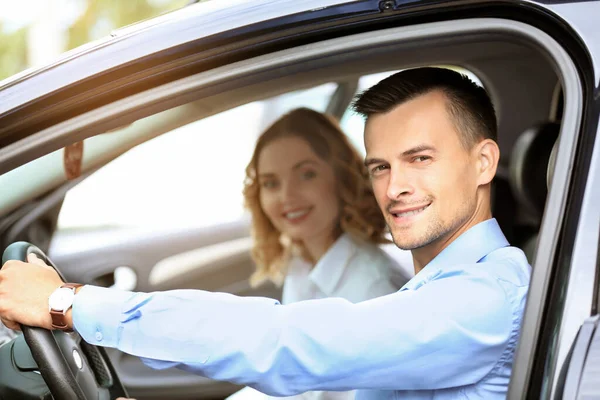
x=75 y=128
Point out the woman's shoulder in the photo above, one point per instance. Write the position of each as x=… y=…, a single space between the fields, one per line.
x=368 y=253
x=367 y=274
x=371 y=258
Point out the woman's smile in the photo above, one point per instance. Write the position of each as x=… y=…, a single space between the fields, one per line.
x=297 y=215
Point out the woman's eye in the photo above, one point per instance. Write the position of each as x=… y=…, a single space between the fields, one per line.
x=309 y=174
x=269 y=184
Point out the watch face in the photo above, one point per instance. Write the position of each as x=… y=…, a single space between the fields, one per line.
x=61 y=299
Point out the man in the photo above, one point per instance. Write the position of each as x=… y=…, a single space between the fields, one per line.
x=449 y=333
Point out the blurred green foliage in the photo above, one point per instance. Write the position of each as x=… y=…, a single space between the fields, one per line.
x=98 y=19
x=13 y=52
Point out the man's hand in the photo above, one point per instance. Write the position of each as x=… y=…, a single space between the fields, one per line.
x=24 y=292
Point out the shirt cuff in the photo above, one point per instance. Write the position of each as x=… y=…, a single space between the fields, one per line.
x=97 y=314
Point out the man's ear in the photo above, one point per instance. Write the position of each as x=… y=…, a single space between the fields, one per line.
x=487 y=156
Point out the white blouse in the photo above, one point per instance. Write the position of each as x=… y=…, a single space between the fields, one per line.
x=352 y=269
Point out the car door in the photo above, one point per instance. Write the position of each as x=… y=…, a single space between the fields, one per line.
x=52 y=136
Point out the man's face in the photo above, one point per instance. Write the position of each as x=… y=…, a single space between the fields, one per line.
x=424 y=179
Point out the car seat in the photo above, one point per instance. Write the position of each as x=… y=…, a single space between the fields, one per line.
x=530 y=171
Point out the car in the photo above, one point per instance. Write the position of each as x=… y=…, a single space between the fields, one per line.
x=123 y=161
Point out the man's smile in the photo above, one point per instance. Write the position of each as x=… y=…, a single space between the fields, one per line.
x=406 y=213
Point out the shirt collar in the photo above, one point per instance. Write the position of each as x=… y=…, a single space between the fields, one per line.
x=329 y=269
x=469 y=248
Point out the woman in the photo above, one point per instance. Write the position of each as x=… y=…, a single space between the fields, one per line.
x=315 y=223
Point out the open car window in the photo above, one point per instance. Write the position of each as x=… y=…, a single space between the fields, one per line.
x=191 y=176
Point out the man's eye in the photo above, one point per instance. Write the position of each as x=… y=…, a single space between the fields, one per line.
x=377 y=169
x=422 y=158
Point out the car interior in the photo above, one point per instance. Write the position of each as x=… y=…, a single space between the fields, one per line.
x=158 y=205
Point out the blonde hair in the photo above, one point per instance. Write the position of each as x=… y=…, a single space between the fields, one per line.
x=360 y=216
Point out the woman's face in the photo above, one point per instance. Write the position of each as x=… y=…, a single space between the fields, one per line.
x=298 y=190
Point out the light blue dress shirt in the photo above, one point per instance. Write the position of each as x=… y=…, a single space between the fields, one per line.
x=449 y=333
x=352 y=269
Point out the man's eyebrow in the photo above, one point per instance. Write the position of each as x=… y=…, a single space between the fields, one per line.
x=418 y=149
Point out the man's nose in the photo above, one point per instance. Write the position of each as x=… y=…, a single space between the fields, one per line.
x=398 y=185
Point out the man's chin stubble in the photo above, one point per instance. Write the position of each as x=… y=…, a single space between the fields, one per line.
x=426 y=240
x=410 y=247
x=413 y=245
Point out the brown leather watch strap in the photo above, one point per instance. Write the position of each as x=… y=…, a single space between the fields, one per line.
x=59 y=320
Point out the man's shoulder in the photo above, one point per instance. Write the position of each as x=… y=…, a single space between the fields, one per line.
x=505 y=269
x=508 y=264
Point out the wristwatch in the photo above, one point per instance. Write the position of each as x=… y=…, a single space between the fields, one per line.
x=59 y=303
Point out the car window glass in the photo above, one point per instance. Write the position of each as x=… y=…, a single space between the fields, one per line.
x=192 y=176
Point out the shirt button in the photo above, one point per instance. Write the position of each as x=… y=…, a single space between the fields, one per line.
x=99 y=336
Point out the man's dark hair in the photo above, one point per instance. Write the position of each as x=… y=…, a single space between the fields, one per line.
x=468 y=104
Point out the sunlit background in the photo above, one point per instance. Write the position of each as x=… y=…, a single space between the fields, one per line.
x=35 y=32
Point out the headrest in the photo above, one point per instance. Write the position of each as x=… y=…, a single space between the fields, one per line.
x=529 y=166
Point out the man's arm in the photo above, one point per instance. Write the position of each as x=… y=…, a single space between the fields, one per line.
x=451 y=331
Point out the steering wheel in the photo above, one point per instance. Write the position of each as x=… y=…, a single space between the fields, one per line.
x=72 y=368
